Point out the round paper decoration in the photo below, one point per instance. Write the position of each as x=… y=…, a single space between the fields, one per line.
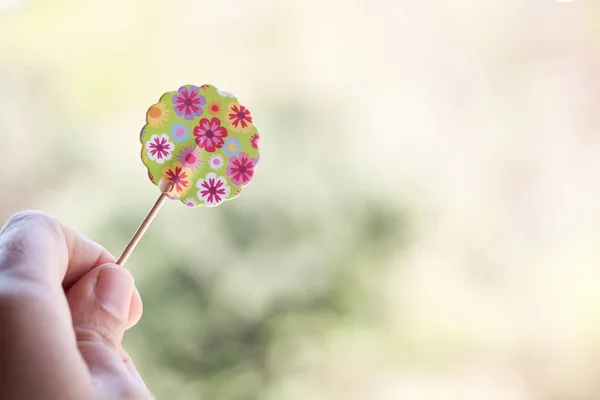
x=203 y=141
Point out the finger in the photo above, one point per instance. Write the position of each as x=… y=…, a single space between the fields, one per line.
x=37 y=252
x=36 y=246
x=84 y=254
x=36 y=334
x=100 y=303
x=135 y=310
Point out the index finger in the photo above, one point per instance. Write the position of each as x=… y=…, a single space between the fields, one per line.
x=37 y=246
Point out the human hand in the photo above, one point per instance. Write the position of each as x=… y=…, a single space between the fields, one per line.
x=64 y=307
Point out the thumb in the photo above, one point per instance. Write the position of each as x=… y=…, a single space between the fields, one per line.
x=100 y=303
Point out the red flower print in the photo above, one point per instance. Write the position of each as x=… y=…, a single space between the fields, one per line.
x=241 y=169
x=254 y=140
x=151 y=177
x=209 y=134
x=204 y=87
x=188 y=102
x=239 y=118
x=179 y=177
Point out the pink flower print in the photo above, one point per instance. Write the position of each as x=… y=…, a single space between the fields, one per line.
x=241 y=169
x=190 y=158
x=216 y=162
x=159 y=148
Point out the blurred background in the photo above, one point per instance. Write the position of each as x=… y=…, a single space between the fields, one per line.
x=425 y=220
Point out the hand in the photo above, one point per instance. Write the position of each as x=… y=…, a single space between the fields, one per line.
x=64 y=307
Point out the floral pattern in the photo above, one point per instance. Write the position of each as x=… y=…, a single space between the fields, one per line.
x=241 y=169
x=200 y=137
x=190 y=158
x=188 y=102
x=159 y=148
x=190 y=202
x=180 y=178
x=239 y=117
x=209 y=134
x=157 y=115
x=215 y=108
x=254 y=141
x=232 y=147
x=180 y=132
x=213 y=189
x=216 y=162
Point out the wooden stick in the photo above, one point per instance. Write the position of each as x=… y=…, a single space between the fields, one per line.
x=144 y=225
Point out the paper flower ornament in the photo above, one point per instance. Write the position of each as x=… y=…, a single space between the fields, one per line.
x=202 y=140
x=200 y=146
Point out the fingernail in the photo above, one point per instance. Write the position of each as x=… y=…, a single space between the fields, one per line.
x=113 y=291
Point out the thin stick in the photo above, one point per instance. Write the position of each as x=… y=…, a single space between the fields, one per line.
x=144 y=226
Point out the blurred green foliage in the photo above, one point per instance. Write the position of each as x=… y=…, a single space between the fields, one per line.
x=194 y=338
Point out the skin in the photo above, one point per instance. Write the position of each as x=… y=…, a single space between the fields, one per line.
x=64 y=307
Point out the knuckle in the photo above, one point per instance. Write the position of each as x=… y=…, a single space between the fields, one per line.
x=29 y=218
x=28 y=215
x=93 y=335
x=23 y=233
